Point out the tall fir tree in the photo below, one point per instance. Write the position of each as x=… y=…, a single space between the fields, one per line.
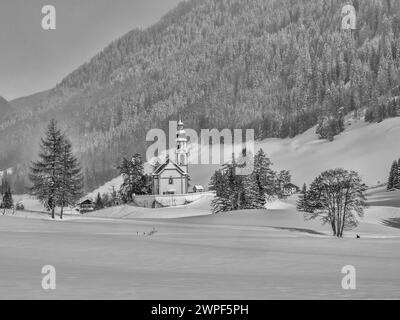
x=252 y=198
x=71 y=178
x=396 y=180
x=302 y=201
x=45 y=172
x=304 y=189
x=264 y=176
x=134 y=179
x=99 y=202
x=56 y=177
x=393 y=176
x=219 y=184
x=7 y=201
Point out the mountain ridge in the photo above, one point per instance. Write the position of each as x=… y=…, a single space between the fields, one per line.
x=276 y=66
x=5 y=107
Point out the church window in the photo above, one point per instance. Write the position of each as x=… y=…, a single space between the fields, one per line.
x=171 y=181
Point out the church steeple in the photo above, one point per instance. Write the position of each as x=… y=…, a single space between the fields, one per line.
x=181 y=152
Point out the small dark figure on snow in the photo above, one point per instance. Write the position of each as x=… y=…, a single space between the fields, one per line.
x=358 y=237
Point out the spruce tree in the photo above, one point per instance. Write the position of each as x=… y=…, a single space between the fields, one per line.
x=396 y=180
x=134 y=182
x=56 y=176
x=71 y=178
x=302 y=202
x=45 y=172
x=228 y=187
x=251 y=197
x=219 y=184
x=7 y=201
x=304 y=189
x=113 y=199
x=264 y=176
x=392 y=176
x=99 y=202
x=235 y=192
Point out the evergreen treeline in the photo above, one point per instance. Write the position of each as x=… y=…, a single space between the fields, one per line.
x=394 y=176
x=56 y=177
x=279 y=66
x=252 y=191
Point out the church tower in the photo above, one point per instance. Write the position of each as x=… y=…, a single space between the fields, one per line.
x=181 y=153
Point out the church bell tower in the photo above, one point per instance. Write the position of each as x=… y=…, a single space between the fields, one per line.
x=181 y=153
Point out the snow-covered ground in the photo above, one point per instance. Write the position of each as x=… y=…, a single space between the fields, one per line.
x=252 y=254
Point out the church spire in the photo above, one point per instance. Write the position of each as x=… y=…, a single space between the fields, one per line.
x=181 y=144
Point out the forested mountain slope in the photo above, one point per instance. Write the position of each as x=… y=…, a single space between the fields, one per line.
x=279 y=66
x=5 y=107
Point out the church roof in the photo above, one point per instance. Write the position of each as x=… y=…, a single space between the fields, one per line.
x=161 y=167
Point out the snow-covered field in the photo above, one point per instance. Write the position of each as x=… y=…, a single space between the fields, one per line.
x=264 y=254
x=261 y=254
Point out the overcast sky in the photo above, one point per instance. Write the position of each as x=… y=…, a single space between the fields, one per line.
x=33 y=60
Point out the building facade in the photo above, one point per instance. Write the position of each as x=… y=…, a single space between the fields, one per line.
x=172 y=176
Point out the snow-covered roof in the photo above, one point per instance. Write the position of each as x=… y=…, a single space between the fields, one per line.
x=161 y=167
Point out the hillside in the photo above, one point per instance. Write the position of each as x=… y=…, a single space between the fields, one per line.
x=367 y=148
x=279 y=66
x=5 y=108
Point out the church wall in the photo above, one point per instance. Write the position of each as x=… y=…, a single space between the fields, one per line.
x=178 y=181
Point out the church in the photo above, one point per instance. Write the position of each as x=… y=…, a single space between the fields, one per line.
x=172 y=177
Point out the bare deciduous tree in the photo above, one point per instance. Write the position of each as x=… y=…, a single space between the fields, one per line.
x=336 y=197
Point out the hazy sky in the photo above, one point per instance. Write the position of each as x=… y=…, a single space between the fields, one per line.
x=32 y=59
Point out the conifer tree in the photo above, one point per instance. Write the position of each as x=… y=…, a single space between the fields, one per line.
x=219 y=184
x=134 y=178
x=71 y=178
x=304 y=189
x=7 y=201
x=302 y=202
x=56 y=176
x=99 y=202
x=396 y=180
x=264 y=176
x=113 y=197
x=235 y=192
x=45 y=172
x=392 y=176
x=251 y=197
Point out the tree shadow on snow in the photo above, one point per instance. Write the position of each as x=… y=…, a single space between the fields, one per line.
x=392 y=222
x=301 y=230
